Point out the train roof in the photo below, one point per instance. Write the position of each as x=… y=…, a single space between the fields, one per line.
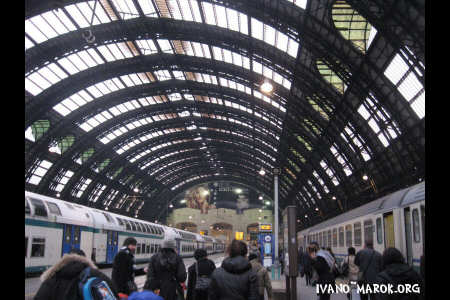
x=400 y=198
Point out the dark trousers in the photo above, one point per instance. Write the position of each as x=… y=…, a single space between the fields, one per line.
x=308 y=278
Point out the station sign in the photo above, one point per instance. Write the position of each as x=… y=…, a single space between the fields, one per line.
x=265 y=227
x=239 y=235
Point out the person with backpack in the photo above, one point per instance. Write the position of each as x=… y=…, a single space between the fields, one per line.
x=262 y=276
x=151 y=293
x=349 y=269
x=370 y=263
x=199 y=275
x=235 y=279
x=397 y=272
x=71 y=276
x=322 y=263
x=166 y=269
x=124 y=268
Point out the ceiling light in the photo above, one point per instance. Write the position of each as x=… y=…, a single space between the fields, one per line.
x=262 y=172
x=267 y=202
x=183 y=201
x=317 y=209
x=334 y=198
x=365 y=177
x=171 y=205
x=260 y=197
x=136 y=190
x=238 y=191
x=58 y=195
x=266 y=87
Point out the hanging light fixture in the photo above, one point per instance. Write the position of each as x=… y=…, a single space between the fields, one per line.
x=266 y=87
x=262 y=172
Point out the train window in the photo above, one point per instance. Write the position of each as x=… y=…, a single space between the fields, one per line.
x=133 y=225
x=127 y=224
x=26 y=246
x=120 y=221
x=38 y=247
x=153 y=229
x=416 y=225
x=422 y=218
x=334 y=237
x=348 y=235
x=27 y=207
x=329 y=238
x=76 y=234
x=54 y=208
x=148 y=248
x=138 y=248
x=357 y=233
x=368 y=231
x=148 y=228
x=144 y=228
x=138 y=225
x=379 y=231
x=108 y=218
x=341 y=236
x=39 y=207
x=320 y=239
x=152 y=248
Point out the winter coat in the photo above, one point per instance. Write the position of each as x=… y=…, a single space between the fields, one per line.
x=124 y=270
x=205 y=267
x=399 y=274
x=61 y=280
x=144 y=295
x=362 y=260
x=323 y=270
x=166 y=269
x=263 y=278
x=234 y=280
x=304 y=261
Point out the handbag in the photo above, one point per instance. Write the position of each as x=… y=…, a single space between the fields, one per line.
x=361 y=274
x=202 y=282
x=345 y=268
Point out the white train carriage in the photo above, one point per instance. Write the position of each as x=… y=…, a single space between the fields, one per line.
x=53 y=227
x=396 y=220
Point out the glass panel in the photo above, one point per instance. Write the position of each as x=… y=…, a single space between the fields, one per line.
x=38 y=247
x=26 y=246
x=76 y=234
x=348 y=235
x=334 y=237
x=416 y=225
x=27 y=207
x=39 y=207
x=368 y=231
x=54 y=209
x=379 y=232
x=357 y=229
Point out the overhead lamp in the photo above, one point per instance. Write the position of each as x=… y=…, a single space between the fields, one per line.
x=317 y=209
x=205 y=193
x=262 y=172
x=183 y=201
x=260 y=197
x=136 y=190
x=260 y=210
x=58 y=195
x=156 y=221
x=334 y=198
x=365 y=177
x=266 y=87
x=267 y=202
x=171 y=205
x=238 y=191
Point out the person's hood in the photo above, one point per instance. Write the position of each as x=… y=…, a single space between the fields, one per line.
x=168 y=259
x=69 y=266
x=327 y=256
x=400 y=271
x=236 y=265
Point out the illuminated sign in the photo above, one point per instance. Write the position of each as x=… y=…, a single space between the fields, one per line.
x=202 y=232
x=239 y=235
x=265 y=227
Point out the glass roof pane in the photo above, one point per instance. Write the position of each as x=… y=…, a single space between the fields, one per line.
x=147 y=7
x=396 y=69
x=410 y=86
x=257 y=29
x=126 y=9
x=165 y=46
x=419 y=106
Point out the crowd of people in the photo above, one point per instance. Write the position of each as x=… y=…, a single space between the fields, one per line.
x=365 y=269
x=240 y=277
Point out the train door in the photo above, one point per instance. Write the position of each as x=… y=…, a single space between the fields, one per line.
x=71 y=238
x=111 y=245
x=389 y=235
x=409 y=250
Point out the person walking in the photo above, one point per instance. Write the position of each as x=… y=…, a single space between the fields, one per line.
x=370 y=263
x=166 y=269
x=322 y=263
x=197 y=289
x=124 y=268
x=262 y=276
x=61 y=280
x=397 y=272
x=234 y=280
x=305 y=268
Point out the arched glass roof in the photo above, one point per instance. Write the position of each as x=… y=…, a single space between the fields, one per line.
x=161 y=95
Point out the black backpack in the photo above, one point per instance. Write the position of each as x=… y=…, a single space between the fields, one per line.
x=202 y=283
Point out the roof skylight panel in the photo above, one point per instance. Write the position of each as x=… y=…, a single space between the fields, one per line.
x=126 y=9
x=419 y=105
x=147 y=46
x=165 y=45
x=33 y=31
x=162 y=75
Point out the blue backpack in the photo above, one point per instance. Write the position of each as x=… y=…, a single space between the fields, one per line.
x=94 y=288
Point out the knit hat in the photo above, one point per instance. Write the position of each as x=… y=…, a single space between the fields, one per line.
x=169 y=244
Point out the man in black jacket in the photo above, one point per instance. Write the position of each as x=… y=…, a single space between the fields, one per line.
x=124 y=268
x=234 y=280
x=204 y=267
x=322 y=262
x=61 y=280
x=370 y=262
x=166 y=269
x=397 y=272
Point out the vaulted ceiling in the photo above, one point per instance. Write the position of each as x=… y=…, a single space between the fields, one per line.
x=160 y=95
